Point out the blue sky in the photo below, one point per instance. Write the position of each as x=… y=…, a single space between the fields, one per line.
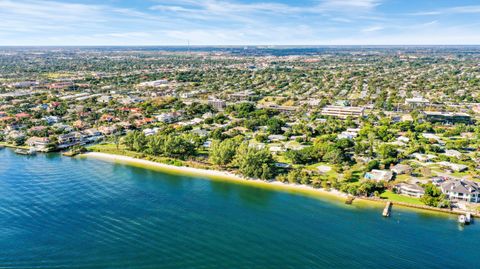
x=239 y=22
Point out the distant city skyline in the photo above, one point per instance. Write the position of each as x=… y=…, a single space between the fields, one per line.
x=239 y=22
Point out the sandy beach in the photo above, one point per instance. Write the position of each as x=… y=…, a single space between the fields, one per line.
x=216 y=175
x=333 y=195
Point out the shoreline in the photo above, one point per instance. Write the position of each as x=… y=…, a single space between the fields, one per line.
x=215 y=175
x=334 y=195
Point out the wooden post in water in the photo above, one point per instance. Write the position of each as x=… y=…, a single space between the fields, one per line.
x=387 y=209
x=349 y=200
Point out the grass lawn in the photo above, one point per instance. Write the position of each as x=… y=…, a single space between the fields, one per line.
x=112 y=149
x=331 y=174
x=460 y=174
x=122 y=150
x=400 y=198
x=5 y=144
x=281 y=159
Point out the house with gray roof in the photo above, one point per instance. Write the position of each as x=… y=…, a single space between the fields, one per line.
x=408 y=189
x=461 y=190
x=400 y=169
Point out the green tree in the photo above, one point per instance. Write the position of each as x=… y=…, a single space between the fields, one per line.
x=176 y=146
x=223 y=152
x=433 y=196
x=275 y=125
x=387 y=151
x=139 y=142
x=254 y=163
x=129 y=140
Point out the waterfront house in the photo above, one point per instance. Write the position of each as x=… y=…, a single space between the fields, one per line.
x=14 y=135
x=462 y=190
x=92 y=134
x=379 y=175
x=70 y=139
x=39 y=143
x=408 y=189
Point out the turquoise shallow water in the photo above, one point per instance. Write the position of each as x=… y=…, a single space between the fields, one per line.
x=58 y=212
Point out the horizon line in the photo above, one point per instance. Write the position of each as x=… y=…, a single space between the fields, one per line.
x=253 y=45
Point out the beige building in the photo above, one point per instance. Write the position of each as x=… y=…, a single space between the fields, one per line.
x=343 y=111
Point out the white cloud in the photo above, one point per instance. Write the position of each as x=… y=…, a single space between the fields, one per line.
x=35 y=15
x=233 y=7
x=230 y=22
x=349 y=4
x=373 y=28
x=49 y=11
x=451 y=10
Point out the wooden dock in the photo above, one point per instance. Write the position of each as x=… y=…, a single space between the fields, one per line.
x=387 y=209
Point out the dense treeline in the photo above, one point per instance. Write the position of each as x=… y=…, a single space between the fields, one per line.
x=168 y=145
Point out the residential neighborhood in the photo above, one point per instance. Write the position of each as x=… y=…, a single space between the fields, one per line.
x=345 y=125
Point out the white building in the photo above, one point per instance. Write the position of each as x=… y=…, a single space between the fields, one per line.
x=461 y=190
x=454 y=166
x=343 y=111
x=379 y=175
x=155 y=83
x=410 y=190
x=416 y=101
x=168 y=117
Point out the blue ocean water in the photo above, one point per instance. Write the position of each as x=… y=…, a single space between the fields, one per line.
x=58 y=212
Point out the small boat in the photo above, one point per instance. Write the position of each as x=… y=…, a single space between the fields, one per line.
x=69 y=153
x=468 y=218
x=29 y=151
x=462 y=219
